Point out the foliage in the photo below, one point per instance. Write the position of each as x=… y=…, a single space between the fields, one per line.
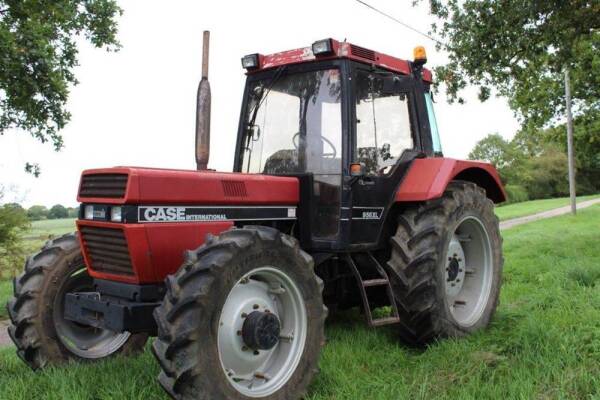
x=13 y=223
x=58 y=211
x=536 y=158
x=521 y=48
x=73 y=212
x=36 y=213
x=38 y=52
x=516 y=193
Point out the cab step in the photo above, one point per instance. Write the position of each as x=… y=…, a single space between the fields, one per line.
x=372 y=267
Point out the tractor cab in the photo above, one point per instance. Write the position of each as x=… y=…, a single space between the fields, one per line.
x=346 y=121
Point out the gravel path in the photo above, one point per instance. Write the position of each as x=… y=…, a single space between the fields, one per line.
x=546 y=214
x=5 y=340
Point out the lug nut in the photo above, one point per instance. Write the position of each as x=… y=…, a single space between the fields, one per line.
x=255 y=306
x=256 y=352
x=244 y=315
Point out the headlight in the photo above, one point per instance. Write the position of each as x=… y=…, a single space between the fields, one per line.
x=116 y=214
x=322 y=47
x=250 y=61
x=88 y=212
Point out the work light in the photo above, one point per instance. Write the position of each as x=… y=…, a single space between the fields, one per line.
x=250 y=61
x=88 y=212
x=116 y=214
x=322 y=47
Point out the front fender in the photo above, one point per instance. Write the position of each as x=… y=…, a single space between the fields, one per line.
x=427 y=179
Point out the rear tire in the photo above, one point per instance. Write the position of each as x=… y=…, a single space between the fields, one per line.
x=42 y=336
x=447 y=263
x=198 y=347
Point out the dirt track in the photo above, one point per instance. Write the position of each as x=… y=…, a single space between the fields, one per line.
x=4 y=339
x=546 y=214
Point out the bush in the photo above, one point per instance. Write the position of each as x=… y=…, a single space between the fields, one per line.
x=13 y=222
x=516 y=194
x=36 y=213
x=58 y=211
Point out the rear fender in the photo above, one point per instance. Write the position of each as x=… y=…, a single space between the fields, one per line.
x=428 y=178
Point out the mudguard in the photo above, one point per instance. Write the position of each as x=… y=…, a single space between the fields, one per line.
x=427 y=179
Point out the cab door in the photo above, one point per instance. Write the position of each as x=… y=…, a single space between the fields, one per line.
x=385 y=142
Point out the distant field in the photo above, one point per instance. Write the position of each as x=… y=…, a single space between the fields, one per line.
x=42 y=231
x=535 y=206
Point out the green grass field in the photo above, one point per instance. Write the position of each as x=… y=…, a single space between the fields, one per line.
x=535 y=206
x=43 y=230
x=544 y=342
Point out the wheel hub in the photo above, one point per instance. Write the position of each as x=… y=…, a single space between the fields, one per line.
x=455 y=268
x=261 y=330
x=452 y=269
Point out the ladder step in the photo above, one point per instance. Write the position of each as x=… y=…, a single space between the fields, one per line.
x=375 y=282
x=385 y=321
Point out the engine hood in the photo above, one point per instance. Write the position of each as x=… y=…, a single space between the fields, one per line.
x=138 y=185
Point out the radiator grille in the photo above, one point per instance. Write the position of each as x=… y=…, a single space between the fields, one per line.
x=103 y=185
x=107 y=250
x=234 y=188
x=362 y=52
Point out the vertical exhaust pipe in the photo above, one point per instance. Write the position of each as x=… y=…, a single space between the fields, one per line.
x=203 y=111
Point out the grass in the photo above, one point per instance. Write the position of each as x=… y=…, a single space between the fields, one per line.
x=535 y=206
x=544 y=342
x=41 y=231
x=6 y=290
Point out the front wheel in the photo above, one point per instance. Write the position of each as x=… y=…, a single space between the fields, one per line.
x=447 y=263
x=243 y=318
x=39 y=330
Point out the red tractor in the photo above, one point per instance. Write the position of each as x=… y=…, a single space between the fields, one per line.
x=340 y=198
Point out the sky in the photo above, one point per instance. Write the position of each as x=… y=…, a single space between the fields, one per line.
x=137 y=106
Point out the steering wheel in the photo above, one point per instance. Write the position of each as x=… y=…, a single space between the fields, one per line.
x=323 y=139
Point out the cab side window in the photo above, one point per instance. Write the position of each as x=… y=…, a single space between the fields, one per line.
x=383 y=129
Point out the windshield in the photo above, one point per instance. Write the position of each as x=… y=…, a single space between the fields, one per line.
x=294 y=124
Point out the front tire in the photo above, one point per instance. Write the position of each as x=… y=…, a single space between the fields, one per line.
x=243 y=318
x=447 y=263
x=42 y=336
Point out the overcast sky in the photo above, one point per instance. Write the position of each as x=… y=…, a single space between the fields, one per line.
x=137 y=106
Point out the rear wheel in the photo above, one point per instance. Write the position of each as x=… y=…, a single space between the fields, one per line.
x=39 y=330
x=243 y=318
x=447 y=264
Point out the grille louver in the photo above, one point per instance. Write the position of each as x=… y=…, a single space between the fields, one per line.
x=362 y=52
x=107 y=250
x=103 y=185
x=234 y=188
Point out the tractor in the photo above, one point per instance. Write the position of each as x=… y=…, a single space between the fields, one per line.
x=340 y=197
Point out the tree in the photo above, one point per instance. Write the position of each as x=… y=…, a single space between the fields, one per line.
x=73 y=212
x=503 y=154
x=36 y=213
x=521 y=48
x=38 y=53
x=58 y=211
x=13 y=222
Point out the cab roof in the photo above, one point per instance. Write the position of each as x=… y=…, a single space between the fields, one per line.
x=339 y=50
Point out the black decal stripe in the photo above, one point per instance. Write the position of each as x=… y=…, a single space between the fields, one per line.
x=147 y=214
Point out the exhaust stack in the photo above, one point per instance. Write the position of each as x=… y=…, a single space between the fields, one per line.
x=203 y=111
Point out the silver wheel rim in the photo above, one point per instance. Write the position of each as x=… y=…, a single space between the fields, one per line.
x=84 y=341
x=469 y=271
x=263 y=372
